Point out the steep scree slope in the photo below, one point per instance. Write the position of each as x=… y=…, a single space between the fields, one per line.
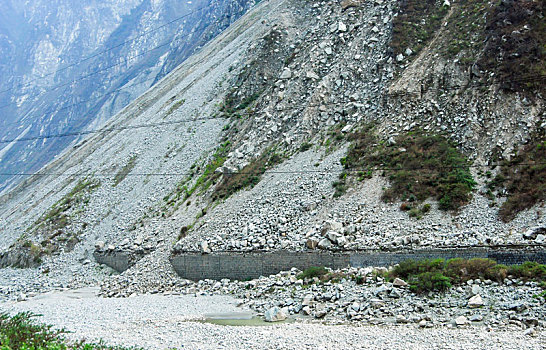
x=276 y=99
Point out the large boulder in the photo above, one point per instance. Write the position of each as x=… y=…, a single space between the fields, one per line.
x=275 y=314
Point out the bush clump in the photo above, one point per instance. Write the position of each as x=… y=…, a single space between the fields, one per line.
x=22 y=332
x=313 y=271
x=439 y=275
x=523 y=178
x=419 y=166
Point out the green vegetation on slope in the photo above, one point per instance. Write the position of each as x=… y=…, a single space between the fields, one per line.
x=416 y=23
x=419 y=166
x=523 y=178
x=248 y=177
x=506 y=38
x=516 y=45
x=58 y=217
x=52 y=227
x=123 y=172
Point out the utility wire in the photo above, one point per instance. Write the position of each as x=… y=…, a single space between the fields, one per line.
x=115 y=46
x=351 y=170
x=79 y=133
x=139 y=126
x=96 y=97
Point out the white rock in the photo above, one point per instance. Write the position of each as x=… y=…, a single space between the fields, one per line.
x=476 y=289
x=204 y=246
x=275 y=314
x=324 y=243
x=346 y=128
x=399 y=282
x=475 y=301
x=312 y=75
x=461 y=321
x=286 y=73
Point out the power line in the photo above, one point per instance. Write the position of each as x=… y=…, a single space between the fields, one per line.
x=139 y=126
x=114 y=47
x=96 y=97
x=186 y=120
x=352 y=170
x=98 y=131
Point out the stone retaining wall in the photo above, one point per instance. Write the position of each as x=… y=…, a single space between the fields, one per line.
x=242 y=266
x=119 y=261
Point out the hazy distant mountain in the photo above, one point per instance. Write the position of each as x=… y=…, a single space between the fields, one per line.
x=143 y=40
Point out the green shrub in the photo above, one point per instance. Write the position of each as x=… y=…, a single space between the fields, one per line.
x=22 y=332
x=429 y=281
x=528 y=271
x=428 y=275
x=409 y=268
x=305 y=146
x=461 y=270
x=313 y=271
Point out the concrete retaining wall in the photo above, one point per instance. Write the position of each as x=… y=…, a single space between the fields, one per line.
x=241 y=266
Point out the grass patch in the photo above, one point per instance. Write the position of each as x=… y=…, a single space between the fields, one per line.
x=58 y=216
x=232 y=104
x=440 y=275
x=312 y=272
x=523 y=178
x=416 y=23
x=419 y=166
x=126 y=170
x=175 y=106
x=516 y=45
x=23 y=332
x=52 y=227
x=248 y=177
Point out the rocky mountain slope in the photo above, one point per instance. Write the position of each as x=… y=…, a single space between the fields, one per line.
x=67 y=66
x=306 y=125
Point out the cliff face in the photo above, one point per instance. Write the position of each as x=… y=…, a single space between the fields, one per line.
x=143 y=40
x=305 y=125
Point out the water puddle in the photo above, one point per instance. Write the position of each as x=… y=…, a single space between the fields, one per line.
x=239 y=319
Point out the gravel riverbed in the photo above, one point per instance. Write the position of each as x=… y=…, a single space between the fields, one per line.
x=172 y=321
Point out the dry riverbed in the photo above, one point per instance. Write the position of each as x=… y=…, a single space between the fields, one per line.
x=161 y=322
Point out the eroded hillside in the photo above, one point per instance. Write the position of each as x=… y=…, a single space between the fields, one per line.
x=310 y=125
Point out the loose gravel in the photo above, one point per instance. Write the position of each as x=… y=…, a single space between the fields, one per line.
x=170 y=321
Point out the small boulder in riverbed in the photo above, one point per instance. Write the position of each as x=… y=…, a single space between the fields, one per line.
x=475 y=301
x=275 y=314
